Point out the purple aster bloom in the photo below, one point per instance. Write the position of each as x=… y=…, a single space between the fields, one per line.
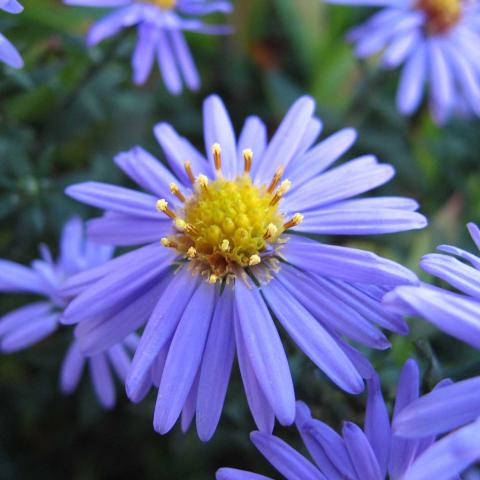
x=8 y=53
x=226 y=258
x=457 y=314
x=373 y=453
x=32 y=323
x=160 y=24
x=436 y=41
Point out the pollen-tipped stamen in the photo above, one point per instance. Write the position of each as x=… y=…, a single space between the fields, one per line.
x=176 y=191
x=281 y=191
x=270 y=232
x=225 y=246
x=254 y=260
x=188 y=170
x=276 y=179
x=191 y=253
x=162 y=206
x=247 y=158
x=168 y=243
x=217 y=158
x=297 y=219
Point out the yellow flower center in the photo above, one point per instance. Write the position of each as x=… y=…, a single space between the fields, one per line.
x=226 y=226
x=441 y=14
x=163 y=4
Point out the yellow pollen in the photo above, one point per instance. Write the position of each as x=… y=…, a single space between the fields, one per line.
x=180 y=223
x=162 y=206
x=163 y=4
x=441 y=15
x=203 y=181
x=254 y=260
x=271 y=231
x=227 y=225
x=176 y=191
x=225 y=246
x=167 y=243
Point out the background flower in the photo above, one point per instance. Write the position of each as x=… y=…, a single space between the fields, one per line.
x=32 y=323
x=434 y=40
x=160 y=24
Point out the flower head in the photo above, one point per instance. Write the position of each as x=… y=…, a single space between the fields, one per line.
x=8 y=53
x=457 y=314
x=160 y=24
x=32 y=323
x=224 y=252
x=374 y=453
x=434 y=39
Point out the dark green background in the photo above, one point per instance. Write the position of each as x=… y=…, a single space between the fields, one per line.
x=65 y=115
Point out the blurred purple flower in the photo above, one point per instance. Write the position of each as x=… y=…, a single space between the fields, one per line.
x=457 y=314
x=32 y=323
x=371 y=453
x=227 y=231
x=437 y=41
x=8 y=53
x=161 y=24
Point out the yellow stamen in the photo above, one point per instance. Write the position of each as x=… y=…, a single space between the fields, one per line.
x=176 y=191
x=162 y=206
x=276 y=179
x=247 y=158
x=281 y=191
x=270 y=232
x=212 y=279
x=217 y=158
x=188 y=170
x=191 y=253
x=180 y=223
x=254 y=260
x=168 y=243
x=297 y=219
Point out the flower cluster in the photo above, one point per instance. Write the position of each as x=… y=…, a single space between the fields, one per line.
x=228 y=248
x=8 y=53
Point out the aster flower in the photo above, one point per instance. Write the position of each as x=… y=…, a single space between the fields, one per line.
x=34 y=322
x=373 y=453
x=436 y=41
x=457 y=314
x=8 y=53
x=160 y=24
x=227 y=256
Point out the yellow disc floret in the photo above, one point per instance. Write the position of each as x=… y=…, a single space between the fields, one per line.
x=441 y=14
x=225 y=226
x=163 y=4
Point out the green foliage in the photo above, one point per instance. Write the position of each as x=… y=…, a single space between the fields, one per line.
x=71 y=109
